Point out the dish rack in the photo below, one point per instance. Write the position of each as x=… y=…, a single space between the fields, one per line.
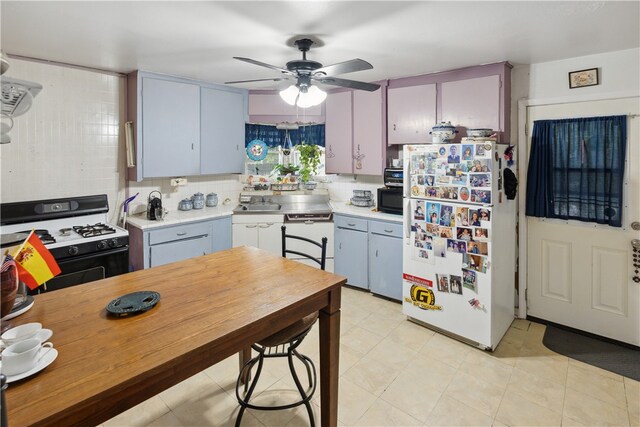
x=290 y=186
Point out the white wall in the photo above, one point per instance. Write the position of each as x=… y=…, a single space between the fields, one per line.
x=68 y=143
x=618 y=72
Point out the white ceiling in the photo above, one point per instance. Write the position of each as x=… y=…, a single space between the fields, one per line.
x=199 y=39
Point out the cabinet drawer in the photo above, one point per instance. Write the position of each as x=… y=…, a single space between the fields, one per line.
x=350 y=222
x=179 y=250
x=179 y=232
x=385 y=228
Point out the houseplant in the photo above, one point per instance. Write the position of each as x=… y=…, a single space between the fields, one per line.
x=309 y=160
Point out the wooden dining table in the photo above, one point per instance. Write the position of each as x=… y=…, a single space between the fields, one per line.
x=211 y=307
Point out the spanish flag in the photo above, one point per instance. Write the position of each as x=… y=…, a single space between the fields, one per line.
x=35 y=263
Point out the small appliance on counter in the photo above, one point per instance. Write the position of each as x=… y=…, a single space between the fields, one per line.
x=154 y=205
x=390 y=196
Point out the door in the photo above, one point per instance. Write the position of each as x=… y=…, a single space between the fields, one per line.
x=270 y=237
x=245 y=235
x=580 y=274
x=367 y=132
x=338 y=133
x=221 y=132
x=170 y=128
x=350 y=258
x=385 y=266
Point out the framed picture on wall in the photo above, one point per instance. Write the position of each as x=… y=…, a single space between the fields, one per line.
x=583 y=78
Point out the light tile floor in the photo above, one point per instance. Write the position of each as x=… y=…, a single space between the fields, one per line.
x=396 y=373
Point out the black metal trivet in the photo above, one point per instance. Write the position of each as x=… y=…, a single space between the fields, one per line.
x=135 y=302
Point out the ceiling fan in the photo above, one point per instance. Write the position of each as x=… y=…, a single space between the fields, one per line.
x=304 y=71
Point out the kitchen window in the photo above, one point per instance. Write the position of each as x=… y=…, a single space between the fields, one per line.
x=280 y=146
x=576 y=169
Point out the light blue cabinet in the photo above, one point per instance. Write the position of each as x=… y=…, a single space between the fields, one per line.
x=162 y=245
x=385 y=259
x=221 y=131
x=183 y=127
x=350 y=250
x=369 y=253
x=170 y=128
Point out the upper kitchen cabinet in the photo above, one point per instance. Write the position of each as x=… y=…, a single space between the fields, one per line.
x=221 y=131
x=184 y=127
x=355 y=128
x=411 y=113
x=474 y=97
x=472 y=103
x=170 y=128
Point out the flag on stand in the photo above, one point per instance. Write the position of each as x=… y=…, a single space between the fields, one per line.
x=35 y=263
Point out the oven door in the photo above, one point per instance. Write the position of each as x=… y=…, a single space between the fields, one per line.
x=87 y=268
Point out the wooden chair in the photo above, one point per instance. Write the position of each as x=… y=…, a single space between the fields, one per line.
x=284 y=343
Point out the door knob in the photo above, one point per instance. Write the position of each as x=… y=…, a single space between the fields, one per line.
x=635 y=225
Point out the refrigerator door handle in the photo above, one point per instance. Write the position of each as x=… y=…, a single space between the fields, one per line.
x=407 y=218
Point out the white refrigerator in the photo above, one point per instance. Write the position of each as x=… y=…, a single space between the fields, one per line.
x=459 y=251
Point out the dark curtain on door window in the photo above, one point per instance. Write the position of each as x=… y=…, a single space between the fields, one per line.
x=576 y=169
x=272 y=136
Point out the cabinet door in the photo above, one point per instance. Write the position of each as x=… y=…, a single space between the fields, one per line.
x=472 y=103
x=270 y=237
x=411 y=113
x=350 y=256
x=221 y=132
x=245 y=235
x=368 y=139
x=385 y=266
x=338 y=133
x=311 y=230
x=179 y=250
x=170 y=128
x=222 y=234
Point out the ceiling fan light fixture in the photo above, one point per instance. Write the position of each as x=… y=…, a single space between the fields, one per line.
x=312 y=96
x=290 y=94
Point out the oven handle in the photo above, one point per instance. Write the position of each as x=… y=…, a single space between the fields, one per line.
x=93 y=255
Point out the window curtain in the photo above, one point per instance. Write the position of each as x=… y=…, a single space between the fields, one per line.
x=576 y=169
x=272 y=136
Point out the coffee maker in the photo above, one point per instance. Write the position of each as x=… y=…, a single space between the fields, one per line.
x=153 y=204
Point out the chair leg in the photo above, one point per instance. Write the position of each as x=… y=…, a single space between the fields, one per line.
x=305 y=398
x=245 y=401
x=303 y=359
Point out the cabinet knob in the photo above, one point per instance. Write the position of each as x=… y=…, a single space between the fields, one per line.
x=394 y=126
x=182 y=234
x=376 y=253
x=387 y=231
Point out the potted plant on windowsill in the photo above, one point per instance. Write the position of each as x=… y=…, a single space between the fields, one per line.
x=309 y=162
x=283 y=169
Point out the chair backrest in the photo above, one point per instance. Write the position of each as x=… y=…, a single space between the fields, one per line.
x=323 y=247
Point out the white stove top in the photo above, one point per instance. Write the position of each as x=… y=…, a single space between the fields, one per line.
x=55 y=225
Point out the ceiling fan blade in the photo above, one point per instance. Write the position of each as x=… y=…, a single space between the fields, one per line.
x=345 y=67
x=263 y=64
x=277 y=79
x=353 y=84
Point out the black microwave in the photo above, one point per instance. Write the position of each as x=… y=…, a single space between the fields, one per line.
x=390 y=200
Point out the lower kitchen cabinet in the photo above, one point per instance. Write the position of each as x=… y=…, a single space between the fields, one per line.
x=260 y=231
x=350 y=250
x=264 y=232
x=369 y=254
x=385 y=259
x=158 y=246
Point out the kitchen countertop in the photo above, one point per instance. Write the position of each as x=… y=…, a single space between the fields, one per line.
x=173 y=217
x=344 y=208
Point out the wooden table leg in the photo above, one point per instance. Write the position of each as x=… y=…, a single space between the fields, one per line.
x=243 y=357
x=329 y=360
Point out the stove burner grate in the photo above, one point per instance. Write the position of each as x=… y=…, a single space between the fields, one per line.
x=43 y=235
x=98 y=229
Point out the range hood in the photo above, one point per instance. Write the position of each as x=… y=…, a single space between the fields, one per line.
x=17 y=96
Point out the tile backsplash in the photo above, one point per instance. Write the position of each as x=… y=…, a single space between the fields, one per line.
x=68 y=143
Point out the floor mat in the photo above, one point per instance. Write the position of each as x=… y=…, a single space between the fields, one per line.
x=612 y=357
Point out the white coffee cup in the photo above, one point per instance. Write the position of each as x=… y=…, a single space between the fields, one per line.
x=23 y=356
x=396 y=163
x=21 y=333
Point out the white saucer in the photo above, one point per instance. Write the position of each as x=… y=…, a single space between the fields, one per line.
x=46 y=360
